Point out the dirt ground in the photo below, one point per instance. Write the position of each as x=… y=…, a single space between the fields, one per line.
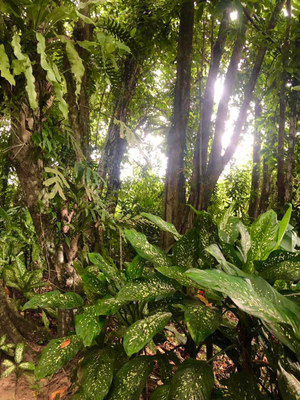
x=57 y=388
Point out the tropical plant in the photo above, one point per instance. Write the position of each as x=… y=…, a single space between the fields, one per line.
x=224 y=287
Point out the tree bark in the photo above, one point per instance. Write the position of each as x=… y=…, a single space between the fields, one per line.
x=256 y=160
x=115 y=145
x=217 y=170
x=79 y=108
x=265 y=190
x=290 y=162
x=203 y=134
x=175 y=200
x=282 y=114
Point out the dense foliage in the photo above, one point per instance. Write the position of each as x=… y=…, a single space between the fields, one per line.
x=149 y=203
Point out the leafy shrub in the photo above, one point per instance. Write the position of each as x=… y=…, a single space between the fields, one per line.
x=213 y=271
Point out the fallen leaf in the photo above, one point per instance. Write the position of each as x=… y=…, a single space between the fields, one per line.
x=65 y=344
x=60 y=393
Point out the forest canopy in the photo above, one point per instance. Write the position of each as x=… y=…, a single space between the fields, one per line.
x=149 y=202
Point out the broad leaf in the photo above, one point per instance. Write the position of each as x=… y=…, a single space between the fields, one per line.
x=141 y=332
x=150 y=289
x=145 y=249
x=23 y=65
x=161 y=393
x=54 y=299
x=4 y=66
x=283 y=224
x=19 y=352
x=76 y=64
x=242 y=386
x=289 y=385
x=245 y=239
x=228 y=229
x=109 y=270
x=186 y=250
x=202 y=321
x=108 y=306
x=134 y=269
x=56 y=354
x=163 y=225
x=176 y=273
x=131 y=379
x=193 y=380
x=252 y=294
x=263 y=236
x=98 y=370
x=88 y=325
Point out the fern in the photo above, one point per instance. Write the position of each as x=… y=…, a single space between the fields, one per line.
x=23 y=65
x=117 y=30
x=58 y=181
x=4 y=66
x=76 y=64
x=53 y=75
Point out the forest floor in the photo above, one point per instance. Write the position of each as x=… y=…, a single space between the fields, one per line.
x=56 y=388
x=60 y=386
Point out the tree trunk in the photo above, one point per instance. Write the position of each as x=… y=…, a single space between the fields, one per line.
x=290 y=162
x=115 y=145
x=265 y=190
x=79 y=108
x=26 y=159
x=214 y=173
x=282 y=114
x=254 y=193
x=200 y=155
x=174 y=202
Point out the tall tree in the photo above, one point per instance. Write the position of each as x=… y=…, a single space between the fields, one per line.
x=174 y=203
x=256 y=161
x=215 y=168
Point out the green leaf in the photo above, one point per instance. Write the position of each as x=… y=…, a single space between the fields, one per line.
x=27 y=366
x=4 y=66
x=56 y=354
x=186 y=250
x=252 y=294
x=283 y=224
x=134 y=269
x=193 y=380
x=145 y=249
x=88 y=326
x=242 y=386
x=53 y=76
x=19 y=352
x=76 y=64
x=8 y=372
x=161 y=393
x=176 y=273
x=288 y=270
x=228 y=229
x=245 y=239
x=141 y=332
x=108 y=306
x=284 y=333
x=297 y=88
x=263 y=234
x=202 y=321
x=92 y=283
x=109 y=270
x=163 y=225
x=150 y=289
x=54 y=299
x=131 y=379
x=289 y=385
x=24 y=65
x=98 y=371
